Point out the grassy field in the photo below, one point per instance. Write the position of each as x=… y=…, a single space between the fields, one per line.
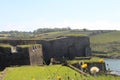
x=47 y=35
x=39 y=73
x=49 y=73
x=53 y=35
x=106 y=37
x=106 y=43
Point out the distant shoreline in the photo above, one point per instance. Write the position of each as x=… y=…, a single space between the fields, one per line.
x=110 y=57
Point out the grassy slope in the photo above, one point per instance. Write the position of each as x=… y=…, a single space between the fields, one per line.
x=106 y=37
x=39 y=73
x=107 y=42
x=42 y=73
x=52 y=35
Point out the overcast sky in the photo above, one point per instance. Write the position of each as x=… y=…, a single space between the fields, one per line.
x=28 y=15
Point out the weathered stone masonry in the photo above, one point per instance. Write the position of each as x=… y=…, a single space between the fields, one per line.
x=68 y=47
x=23 y=56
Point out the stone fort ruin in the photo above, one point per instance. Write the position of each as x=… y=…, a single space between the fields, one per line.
x=36 y=52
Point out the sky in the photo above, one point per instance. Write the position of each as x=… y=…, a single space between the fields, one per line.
x=29 y=15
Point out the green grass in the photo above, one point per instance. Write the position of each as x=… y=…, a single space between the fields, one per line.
x=39 y=73
x=76 y=35
x=106 y=37
x=50 y=35
x=42 y=73
x=106 y=42
x=28 y=45
x=92 y=60
x=53 y=35
x=22 y=46
x=5 y=45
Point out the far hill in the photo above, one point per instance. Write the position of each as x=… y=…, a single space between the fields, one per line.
x=113 y=36
x=107 y=44
x=46 y=33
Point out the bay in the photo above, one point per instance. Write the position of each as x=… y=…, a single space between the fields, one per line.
x=113 y=65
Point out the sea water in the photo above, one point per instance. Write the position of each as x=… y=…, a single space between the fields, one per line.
x=113 y=65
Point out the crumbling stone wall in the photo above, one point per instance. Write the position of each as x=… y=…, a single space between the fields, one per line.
x=36 y=55
x=24 y=56
x=68 y=47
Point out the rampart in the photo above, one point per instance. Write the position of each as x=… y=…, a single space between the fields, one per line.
x=67 y=47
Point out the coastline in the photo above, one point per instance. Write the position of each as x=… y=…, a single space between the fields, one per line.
x=113 y=57
x=109 y=57
x=111 y=66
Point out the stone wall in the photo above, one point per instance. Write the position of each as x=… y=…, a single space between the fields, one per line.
x=4 y=57
x=27 y=56
x=36 y=55
x=5 y=50
x=18 y=42
x=21 y=57
x=101 y=66
x=68 y=47
x=24 y=56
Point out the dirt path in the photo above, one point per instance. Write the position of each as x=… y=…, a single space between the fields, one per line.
x=3 y=73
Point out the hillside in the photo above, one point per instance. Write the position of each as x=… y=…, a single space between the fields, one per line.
x=106 y=37
x=53 y=72
x=107 y=43
x=48 y=33
x=40 y=73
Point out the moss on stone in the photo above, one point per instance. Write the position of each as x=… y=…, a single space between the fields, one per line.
x=5 y=45
x=75 y=35
x=92 y=60
x=22 y=46
x=28 y=45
